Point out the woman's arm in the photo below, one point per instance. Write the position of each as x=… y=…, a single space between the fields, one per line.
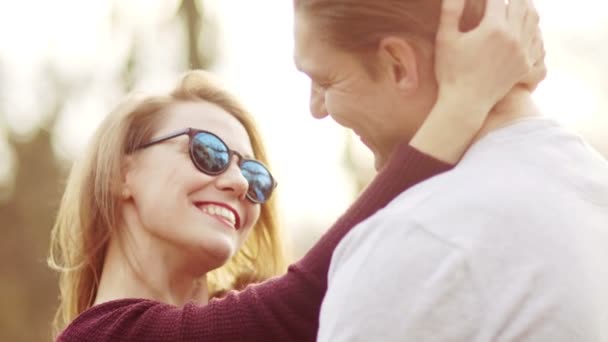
x=284 y=308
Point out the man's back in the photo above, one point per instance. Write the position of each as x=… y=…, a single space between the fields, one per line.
x=511 y=245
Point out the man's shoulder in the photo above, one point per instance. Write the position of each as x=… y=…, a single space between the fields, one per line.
x=468 y=187
x=444 y=196
x=503 y=180
x=506 y=171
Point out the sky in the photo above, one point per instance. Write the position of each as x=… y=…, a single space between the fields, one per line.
x=256 y=63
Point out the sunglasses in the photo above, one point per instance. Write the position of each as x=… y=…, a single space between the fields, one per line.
x=212 y=156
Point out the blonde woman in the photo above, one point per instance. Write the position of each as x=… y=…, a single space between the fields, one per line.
x=154 y=221
x=171 y=202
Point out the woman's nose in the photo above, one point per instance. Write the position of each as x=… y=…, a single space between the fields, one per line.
x=232 y=180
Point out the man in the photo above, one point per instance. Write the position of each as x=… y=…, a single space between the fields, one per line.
x=510 y=245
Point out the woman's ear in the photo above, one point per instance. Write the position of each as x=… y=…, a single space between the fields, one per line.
x=127 y=174
x=399 y=60
x=125 y=194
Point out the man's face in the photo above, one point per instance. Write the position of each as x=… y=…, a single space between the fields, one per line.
x=341 y=87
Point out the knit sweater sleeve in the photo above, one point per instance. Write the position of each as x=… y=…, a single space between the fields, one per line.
x=283 y=308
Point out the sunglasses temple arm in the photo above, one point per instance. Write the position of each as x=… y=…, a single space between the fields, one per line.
x=165 y=138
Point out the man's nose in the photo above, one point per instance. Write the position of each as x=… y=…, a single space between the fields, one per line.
x=317 y=102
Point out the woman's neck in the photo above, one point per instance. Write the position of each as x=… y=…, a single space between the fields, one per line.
x=137 y=266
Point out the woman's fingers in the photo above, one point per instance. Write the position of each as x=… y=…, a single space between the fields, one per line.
x=536 y=48
x=516 y=16
x=504 y=50
x=531 y=37
x=536 y=58
x=530 y=26
x=451 y=12
x=495 y=13
x=536 y=75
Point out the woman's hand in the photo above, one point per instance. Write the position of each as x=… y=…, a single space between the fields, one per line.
x=476 y=69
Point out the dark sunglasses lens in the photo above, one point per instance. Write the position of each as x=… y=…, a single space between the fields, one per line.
x=259 y=179
x=210 y=154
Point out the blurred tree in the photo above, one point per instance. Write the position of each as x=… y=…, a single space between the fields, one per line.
x=28 y=289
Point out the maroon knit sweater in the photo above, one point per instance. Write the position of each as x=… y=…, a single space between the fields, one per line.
x=284 y=308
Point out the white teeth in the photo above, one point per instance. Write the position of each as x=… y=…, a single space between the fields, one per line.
x=219 y=211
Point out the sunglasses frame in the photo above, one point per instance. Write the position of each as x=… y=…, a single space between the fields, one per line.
x=191 y=133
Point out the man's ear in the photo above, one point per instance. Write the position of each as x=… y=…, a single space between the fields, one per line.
x=399 y=61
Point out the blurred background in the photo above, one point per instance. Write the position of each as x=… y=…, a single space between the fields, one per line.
x=64 y=64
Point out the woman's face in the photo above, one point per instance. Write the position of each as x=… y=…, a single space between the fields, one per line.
x=204 y=219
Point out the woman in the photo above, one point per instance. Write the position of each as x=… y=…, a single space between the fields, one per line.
x=140 y=218
x=282 y=308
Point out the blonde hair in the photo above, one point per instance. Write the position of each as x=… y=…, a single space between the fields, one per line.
x=89 y=210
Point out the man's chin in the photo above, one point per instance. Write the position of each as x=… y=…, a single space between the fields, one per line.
x=379 y=158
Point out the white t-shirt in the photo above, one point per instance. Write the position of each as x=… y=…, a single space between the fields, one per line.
x=511 y=245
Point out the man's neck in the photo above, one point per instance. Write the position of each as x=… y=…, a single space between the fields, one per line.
x=517 y=105
x=447 y=139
